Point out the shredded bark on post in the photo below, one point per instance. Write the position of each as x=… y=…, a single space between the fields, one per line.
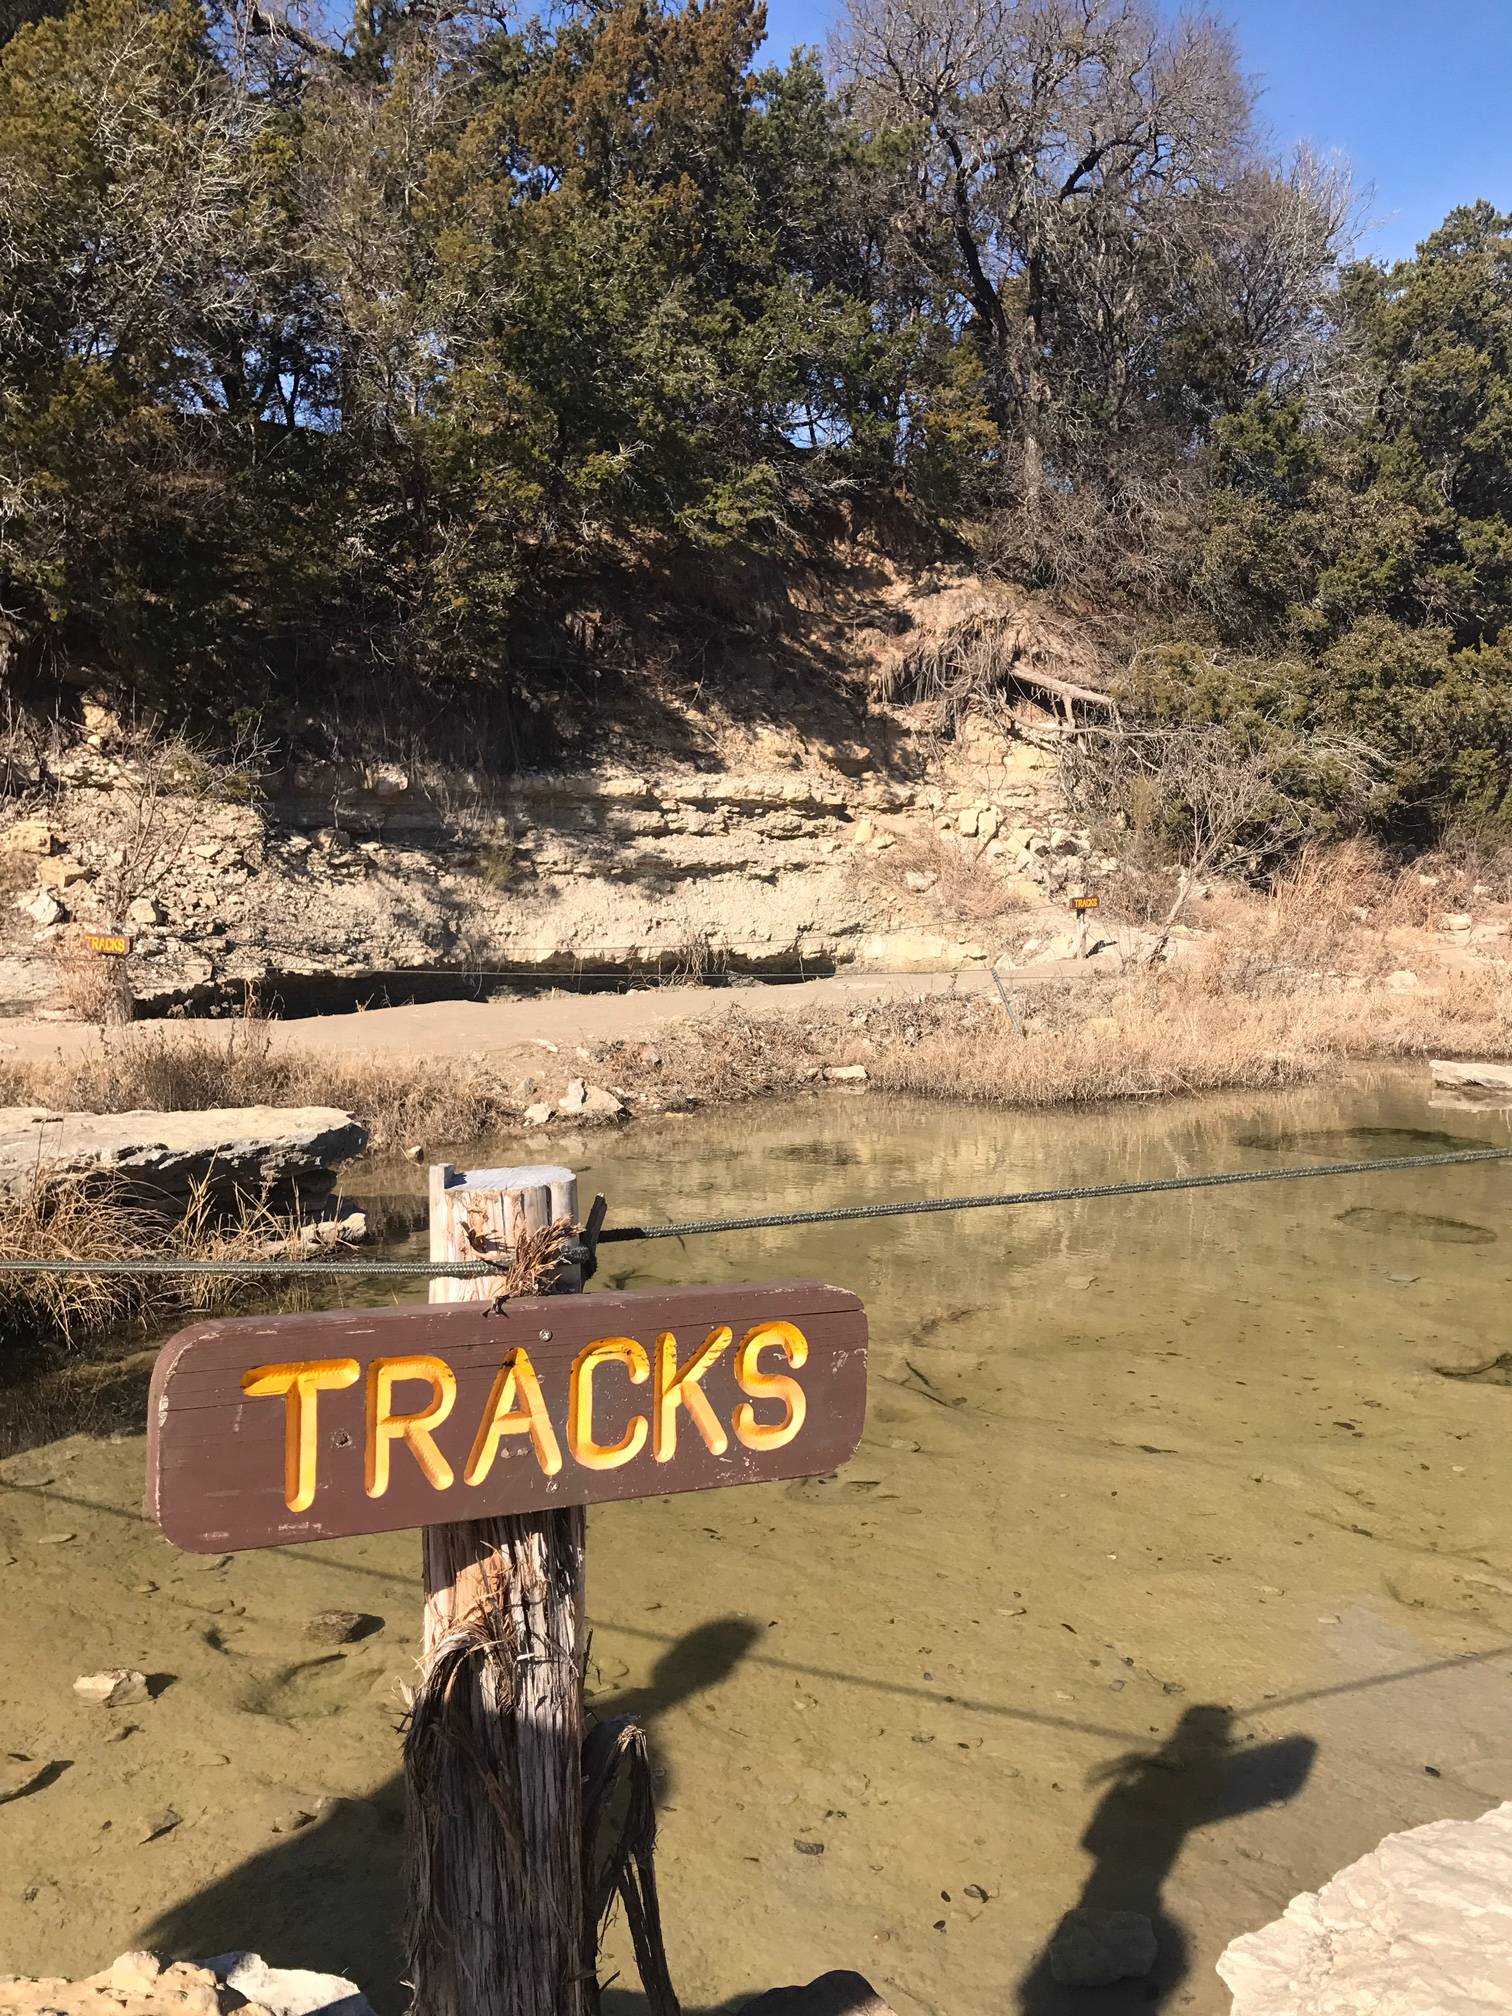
x=492 y=1760
x=616 y=1750
x=498 y=1921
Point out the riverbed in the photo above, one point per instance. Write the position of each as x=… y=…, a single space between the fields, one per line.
x=1173 y=1571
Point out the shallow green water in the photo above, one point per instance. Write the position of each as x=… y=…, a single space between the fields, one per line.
x=1171 y=1574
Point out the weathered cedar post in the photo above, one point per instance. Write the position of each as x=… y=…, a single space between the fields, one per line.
x=493 y=1758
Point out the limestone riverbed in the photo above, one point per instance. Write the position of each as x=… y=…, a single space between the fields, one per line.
x=1172 y=1573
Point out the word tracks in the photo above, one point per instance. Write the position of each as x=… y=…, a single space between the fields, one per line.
x=265 y=1430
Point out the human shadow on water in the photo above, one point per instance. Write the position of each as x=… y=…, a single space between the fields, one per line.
x=697 y=1661
x=330 y=1895
x=1154 y=1800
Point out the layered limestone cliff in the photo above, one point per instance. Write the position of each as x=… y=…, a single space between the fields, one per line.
x=790 y=859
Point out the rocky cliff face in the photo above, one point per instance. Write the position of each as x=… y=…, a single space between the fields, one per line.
x=791 y=859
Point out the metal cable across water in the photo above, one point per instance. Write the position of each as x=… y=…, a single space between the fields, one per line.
x=1075 y=1193
x=837 y=1214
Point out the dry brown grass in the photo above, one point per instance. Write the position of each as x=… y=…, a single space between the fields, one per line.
x=174 y=1068
x=1325 y=916
x=93 y=987
x=1247 y=1014
x=102 y=1220
x=1469 y=871
x=1150 y=1036
x=967 y=887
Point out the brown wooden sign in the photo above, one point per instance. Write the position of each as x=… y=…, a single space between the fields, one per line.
x=265 y=1430
x=1084 y=902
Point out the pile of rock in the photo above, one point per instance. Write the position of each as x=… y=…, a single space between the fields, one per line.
x=243 y=1984
x=145 y=1984
x=581 y=1101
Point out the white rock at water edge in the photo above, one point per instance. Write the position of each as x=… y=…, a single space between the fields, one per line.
x=1422 y=1926
x=289 y=1991
x=590 y=1102
x=842 y=1074
x=348 y=1230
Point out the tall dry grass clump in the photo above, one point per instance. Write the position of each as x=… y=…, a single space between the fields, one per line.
x=106 y=1220
x=173 y=1067
x=1470 y=867
x=1193 y=1030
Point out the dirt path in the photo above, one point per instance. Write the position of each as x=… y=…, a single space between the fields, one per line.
x=498 y=1028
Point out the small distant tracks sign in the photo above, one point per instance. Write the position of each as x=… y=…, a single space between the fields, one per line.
x=114 y=944
x=267 y=1430
x=1081 y=903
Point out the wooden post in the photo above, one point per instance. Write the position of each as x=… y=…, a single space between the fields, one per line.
x=497 y=1924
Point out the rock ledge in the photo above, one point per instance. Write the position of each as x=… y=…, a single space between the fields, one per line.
x=254 y=1149
x=1422 y=1926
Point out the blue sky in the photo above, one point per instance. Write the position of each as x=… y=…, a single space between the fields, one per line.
x=1416 y=93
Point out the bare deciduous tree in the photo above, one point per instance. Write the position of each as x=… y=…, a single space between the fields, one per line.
x=1223 y=805
x=1128 y=261
x=1053 y=131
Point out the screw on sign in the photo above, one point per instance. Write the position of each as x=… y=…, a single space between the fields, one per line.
x=490 y=1424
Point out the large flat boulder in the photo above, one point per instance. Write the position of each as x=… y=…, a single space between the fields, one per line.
x=1461 y=1076
x=1422 y=1926
x=256 y=1149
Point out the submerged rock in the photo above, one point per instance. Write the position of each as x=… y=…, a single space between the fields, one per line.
x=840 y=1993
x=1093 y=1949
x=1421 y=1924
x=1416 y=1225
x=252 y=1149
x=341 y=1627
